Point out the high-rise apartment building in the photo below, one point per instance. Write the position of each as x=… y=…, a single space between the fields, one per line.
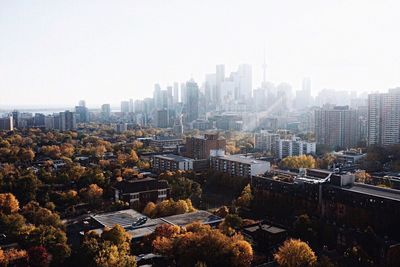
x=384 y=118
x=125 y=106
x=336 y=127
x=6 y=124
x=82 y=113
x=105 y=111
x=67 y=121
x=265 y=140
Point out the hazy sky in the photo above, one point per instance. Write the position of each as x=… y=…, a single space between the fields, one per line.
x=57 y=52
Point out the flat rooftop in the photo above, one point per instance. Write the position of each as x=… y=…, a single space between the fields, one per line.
x=242 y=159
x=375 y=191
x=173 y=157
x=265 y=227
x=126 y=218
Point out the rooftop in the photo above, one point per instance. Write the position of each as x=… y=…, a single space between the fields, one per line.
x=126 y=218
x=242 y=159
x=375 y=191
x=173 y=157
x=265 y=227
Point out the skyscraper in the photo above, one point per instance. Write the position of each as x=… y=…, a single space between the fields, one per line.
x=176 y=92
x=384 y=118
x=219 y=78
x=192 y=102
x=246 y=81
x=336 y=127
x=125 y=106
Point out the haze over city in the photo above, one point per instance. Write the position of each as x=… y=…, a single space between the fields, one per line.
x=53 y=53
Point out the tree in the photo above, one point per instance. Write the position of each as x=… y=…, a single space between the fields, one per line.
x=41 y=216
x=93 y=193
x=11 y=225
x=245 y=198
x=296 y=162
x=14 y=257
x=26 y=187
x=295 y=253
x=108 y=250
x=8 y=203
x=53 y=239
x=38 y=257
x=149 y=210
x=200 y=243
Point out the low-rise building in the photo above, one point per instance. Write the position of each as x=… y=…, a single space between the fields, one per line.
x=165 y=142
x=171 y=162
x=239 y=165
x=139 y=192
x=199 y=147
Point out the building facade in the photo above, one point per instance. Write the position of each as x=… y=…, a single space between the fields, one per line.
x=384 y=118
x=239 y=165
x=337 y=126
x=200 y=147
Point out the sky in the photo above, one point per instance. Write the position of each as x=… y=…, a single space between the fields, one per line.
x=55 y=52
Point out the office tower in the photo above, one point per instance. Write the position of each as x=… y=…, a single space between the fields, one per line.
x=163 y=101
x=192 y=102
x=125 y=106
x=162 y=118
x=284 y=93
x=384 y=118
x=176 y=93
x=67 y=121
x=210 y=87
x=246 y=81
x=200 y=147
x=336 y=127
x=105 y=111
x=6 y=124
x=303 y=96
x=157 y=96
x=219 y=78
x=15 y=116
x=131 y=109
x=183 y=93
x=169 y=99
x=82 y=103
x=82 y=114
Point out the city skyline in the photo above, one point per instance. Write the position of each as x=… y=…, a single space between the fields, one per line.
x=53 y=51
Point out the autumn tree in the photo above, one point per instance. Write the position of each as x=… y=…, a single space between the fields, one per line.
x=41 y=216
x=53 y=239
x=149 y=210
x=38 y=257
x=112 y=248
x=93 y=193
x=295 y=253
x=296 y=162
x=245 y=198
x=200 y=243
x=8 y=203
